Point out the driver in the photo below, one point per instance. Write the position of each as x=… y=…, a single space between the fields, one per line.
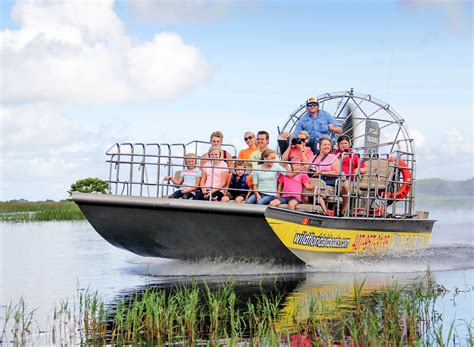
x=316 y=122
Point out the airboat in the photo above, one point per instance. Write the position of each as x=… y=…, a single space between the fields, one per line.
x=138 y=215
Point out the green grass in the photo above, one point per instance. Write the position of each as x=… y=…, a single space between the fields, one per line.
x=25 y=211
x=195 y=315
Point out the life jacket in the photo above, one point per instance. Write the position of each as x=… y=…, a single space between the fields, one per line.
x=238 y=182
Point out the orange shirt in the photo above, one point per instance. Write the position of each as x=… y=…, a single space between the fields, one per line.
x=245 y=153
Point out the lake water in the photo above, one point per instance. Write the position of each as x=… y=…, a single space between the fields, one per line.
x=47 y=262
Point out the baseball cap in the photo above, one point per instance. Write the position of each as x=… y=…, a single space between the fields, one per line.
x=311 y=100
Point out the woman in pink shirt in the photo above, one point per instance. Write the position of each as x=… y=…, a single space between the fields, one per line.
x=215 y=174
x=326 y=166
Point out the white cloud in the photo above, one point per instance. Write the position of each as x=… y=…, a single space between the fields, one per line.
x=418 y=137
x=455 y=12
x=77 y=51
x=456 y=145
x=167 y=67
x=41 y=147
x=184 y=11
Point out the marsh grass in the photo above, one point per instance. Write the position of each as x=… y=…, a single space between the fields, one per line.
x=200 y=315
x=24 y=211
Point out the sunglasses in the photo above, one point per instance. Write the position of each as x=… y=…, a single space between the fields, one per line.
x=312 y=104
x=248 y=138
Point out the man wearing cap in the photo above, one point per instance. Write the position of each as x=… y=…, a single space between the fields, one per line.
x=317 y=123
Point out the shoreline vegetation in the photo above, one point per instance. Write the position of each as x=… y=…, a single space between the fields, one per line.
x=197 y=314
x=39 y=211
x=432 y=191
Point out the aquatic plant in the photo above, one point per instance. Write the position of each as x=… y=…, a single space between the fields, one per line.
x=192 y=314
x=20 y=211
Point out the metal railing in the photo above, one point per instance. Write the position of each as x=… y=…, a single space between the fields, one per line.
x=138 y=169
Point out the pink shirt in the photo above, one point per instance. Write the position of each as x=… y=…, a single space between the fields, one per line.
x=295 y=153
x=293 y=186
x=214 y=176
x=324 y=165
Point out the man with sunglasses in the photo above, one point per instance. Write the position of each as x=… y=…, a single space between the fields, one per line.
x=317 y=123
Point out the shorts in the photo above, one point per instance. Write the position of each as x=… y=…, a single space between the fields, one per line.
x=330 y=181
x=287 y=199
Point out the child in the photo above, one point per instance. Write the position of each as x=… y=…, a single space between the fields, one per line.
x=239 y=184
x=214 y=176
x=292 y=186
x=189 y=178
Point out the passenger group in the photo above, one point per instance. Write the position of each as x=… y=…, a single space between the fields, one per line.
x=257 y=177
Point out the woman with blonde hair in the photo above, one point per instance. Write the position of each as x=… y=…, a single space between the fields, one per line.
x=250 y=140
x=215 y=175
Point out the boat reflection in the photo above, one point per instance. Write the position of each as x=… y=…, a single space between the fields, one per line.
x=298 y=293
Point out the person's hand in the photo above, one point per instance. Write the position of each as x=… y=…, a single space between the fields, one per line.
x=300 y=147
x=258 y=196
x=284 y=135
x=167 y=178
x=331 y=127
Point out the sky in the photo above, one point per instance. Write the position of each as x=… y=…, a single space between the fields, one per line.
x=78 y=76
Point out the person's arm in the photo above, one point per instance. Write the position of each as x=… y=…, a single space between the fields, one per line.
x=279 y=189
x=309 y=186
x=249 y=185
x=224 y=180
x=333 y=125
x=203 y=182
x=286 y=154
x=175 y=181
x=255 y=190
x=334 y=128
x=335 y=167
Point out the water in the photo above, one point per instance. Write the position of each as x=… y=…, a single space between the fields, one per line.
x=47 y=262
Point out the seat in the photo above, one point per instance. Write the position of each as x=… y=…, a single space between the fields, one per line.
x=368 y=188
x=319 y=185
x=379 y=172
x=309 y=208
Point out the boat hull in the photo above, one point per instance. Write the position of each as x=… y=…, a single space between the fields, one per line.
x=184 y=229
x=314 y=237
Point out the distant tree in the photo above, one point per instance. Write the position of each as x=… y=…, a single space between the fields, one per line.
x=89 y=185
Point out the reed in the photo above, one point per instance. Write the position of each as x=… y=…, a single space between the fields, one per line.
x=194 y=315
x=20 y=211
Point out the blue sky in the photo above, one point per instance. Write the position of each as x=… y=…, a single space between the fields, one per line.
x=70 y=88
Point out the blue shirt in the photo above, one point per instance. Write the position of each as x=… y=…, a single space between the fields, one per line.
x=316 y=127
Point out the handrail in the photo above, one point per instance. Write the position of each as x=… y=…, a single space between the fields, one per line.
x=153 y=164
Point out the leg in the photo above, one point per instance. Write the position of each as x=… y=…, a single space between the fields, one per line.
x=322 y=203
x=275 y=203
x=199 y=195
x=188 y=195
x=217 y=196
x=265 y=200
x=252 y=199
x=177 y=194
x=345 y=196
x=292 y=204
